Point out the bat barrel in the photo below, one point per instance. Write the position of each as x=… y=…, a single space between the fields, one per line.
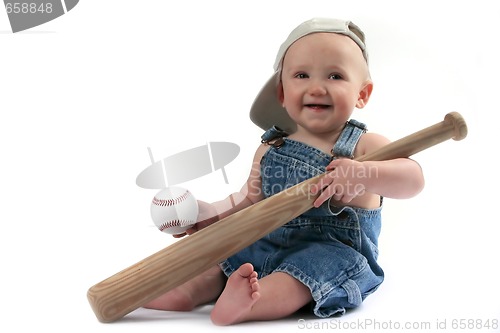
x=168 y=268
x=146 y=280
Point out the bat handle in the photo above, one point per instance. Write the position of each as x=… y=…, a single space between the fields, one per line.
x=459 y=125
x=453 y=126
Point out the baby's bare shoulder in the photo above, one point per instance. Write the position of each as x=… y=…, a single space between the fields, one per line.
x=370 y=142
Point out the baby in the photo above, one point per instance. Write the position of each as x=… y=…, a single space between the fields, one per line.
x=327 y=257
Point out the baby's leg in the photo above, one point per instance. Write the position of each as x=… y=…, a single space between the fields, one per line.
x=245 y=298
x=200 y=290
x=239 y=295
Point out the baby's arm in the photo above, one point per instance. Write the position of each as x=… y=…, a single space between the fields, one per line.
x=398 y=178
x=250 y=193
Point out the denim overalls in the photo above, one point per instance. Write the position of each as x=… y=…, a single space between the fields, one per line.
x=333 y=254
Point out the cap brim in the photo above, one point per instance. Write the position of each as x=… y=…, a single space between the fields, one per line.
x=266 y=110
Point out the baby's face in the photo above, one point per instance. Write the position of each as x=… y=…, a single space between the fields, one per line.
x=323 y=78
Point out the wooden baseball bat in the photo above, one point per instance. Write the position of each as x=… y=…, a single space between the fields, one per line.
x=150 y=278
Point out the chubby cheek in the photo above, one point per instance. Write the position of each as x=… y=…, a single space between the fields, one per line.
x=345 y=104
x=290 y=99
x=293 y=105
x=344 y=100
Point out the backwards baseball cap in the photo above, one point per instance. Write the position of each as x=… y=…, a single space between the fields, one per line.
x=267 y=110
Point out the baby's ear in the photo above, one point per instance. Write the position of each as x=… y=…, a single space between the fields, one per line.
x=364 y=94
x=280 y=94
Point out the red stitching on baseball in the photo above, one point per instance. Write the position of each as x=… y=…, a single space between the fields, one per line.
x=170 y=202
x=174 y=223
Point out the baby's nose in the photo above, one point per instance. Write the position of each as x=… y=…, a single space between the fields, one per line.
x=316 y=88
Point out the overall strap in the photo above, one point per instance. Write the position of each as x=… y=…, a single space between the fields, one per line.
x=348 y=139
x=274 y=136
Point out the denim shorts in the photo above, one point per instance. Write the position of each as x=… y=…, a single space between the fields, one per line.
x=324 y=255
x=334 y=254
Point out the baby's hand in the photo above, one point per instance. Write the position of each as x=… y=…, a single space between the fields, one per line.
x=206 y=216
x=343 y=182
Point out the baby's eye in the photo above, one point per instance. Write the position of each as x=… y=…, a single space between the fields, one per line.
x=301 y=76
x=335 y=77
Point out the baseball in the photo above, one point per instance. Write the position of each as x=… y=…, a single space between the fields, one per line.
x=174 y=210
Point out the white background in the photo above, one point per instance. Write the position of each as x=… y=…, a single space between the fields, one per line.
x=83 y=96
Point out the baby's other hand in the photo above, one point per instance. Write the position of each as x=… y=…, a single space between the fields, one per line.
x=206 y=216
x=341 y=182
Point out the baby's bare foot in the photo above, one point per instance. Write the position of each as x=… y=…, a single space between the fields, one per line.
x=239 y=296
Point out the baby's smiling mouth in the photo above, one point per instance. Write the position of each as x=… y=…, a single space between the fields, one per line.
x=317 y=106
